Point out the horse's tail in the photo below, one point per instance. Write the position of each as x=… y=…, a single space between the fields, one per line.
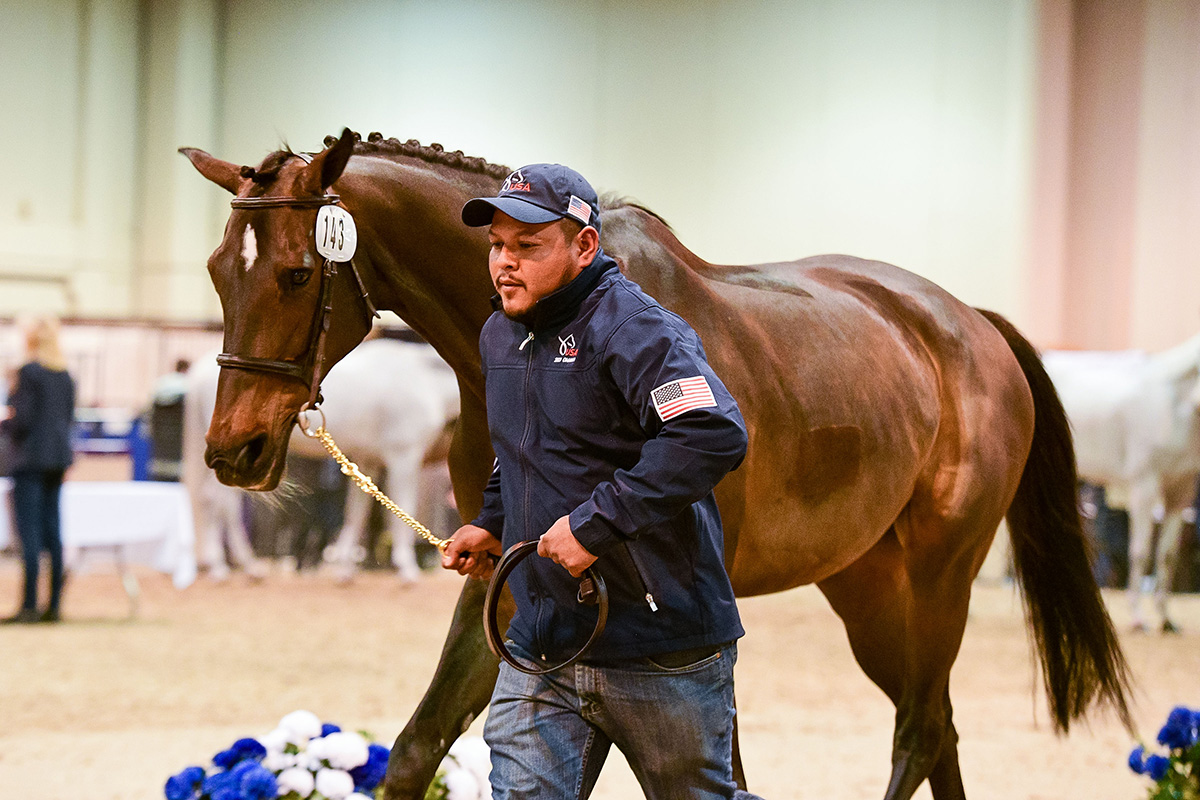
x=1081 y=659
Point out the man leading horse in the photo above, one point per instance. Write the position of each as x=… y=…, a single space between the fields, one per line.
x=610 y=431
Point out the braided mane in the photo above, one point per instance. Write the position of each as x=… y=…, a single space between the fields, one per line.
x=436 y=154
x=432 y=153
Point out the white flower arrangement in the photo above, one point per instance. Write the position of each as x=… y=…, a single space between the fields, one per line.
x=463 y=773
x=304 y=759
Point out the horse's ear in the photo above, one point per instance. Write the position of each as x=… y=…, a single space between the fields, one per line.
x=327 y=166
x=224 y=174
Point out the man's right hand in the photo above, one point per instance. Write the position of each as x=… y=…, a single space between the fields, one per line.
x=470 y=552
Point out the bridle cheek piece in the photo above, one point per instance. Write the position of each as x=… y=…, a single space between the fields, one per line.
x=310 y=368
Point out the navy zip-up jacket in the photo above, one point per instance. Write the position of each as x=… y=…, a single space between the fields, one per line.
x=587 y=420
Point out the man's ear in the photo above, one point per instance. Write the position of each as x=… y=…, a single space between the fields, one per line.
x=588 y=242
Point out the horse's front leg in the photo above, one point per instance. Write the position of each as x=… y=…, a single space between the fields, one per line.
x=346 y=551
x=461 y=688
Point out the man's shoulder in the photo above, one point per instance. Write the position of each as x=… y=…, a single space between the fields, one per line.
x=625 y=302
x=620 y=299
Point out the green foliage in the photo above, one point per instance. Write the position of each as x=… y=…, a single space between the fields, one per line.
x=437 y=789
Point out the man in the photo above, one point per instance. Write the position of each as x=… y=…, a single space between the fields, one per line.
x=610 y=431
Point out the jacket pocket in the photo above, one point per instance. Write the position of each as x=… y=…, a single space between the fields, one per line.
x=642 y=581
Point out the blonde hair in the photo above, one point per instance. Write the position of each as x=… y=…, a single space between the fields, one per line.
x=41 y=342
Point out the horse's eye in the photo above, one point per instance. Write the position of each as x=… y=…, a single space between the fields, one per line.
x=300 y=276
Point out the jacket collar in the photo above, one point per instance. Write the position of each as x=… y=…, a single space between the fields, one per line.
x=559 y=307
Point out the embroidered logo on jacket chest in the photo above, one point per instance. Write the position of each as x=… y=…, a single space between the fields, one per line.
x=567 y=351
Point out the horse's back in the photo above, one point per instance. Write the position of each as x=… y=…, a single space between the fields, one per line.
x=1130 y=414
x=861 y=383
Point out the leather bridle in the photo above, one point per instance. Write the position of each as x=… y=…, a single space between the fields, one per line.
x=309 y=368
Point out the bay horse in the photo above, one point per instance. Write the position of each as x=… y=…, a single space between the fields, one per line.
x=891 y=427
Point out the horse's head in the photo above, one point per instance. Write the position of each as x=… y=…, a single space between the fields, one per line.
x=273 y=289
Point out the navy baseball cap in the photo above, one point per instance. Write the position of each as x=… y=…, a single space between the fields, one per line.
x=538 y=193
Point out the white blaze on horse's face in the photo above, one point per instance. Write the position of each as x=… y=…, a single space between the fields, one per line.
x=249 y=247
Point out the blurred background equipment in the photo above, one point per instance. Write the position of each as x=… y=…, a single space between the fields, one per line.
x=164 y=420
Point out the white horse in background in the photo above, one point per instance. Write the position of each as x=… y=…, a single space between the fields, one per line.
x=1136 y=420
x=387 y=403
x=216 y=508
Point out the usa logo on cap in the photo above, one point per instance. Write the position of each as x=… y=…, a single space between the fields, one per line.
x=515 y=183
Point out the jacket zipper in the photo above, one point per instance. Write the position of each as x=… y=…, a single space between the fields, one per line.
x=537 y=627
x=637 y=568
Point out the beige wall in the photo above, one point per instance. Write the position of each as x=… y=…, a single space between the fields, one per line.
x=1116 y=200
x=1165 y=297
x=912 y=131
x=69 y=98
x=761 y=131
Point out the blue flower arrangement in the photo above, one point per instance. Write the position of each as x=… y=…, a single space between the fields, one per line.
x=1176 y=774
x=305 y=759
x=302 y=758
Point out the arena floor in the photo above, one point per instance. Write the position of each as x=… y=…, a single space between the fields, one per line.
x=105 y=708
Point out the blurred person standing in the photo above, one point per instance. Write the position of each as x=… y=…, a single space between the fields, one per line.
x=41 y=407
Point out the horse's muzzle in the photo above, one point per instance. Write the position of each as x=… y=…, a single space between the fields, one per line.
x=249 y=465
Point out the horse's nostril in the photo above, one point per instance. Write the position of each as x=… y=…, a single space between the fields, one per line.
x=250 y=453
x=213 y=457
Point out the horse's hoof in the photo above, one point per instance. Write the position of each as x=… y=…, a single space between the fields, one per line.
x=256 y=571
x=1169 y=627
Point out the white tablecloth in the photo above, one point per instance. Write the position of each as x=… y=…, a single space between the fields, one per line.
x=142 y=522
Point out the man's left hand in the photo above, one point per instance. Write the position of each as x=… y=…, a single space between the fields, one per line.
x=560 y=546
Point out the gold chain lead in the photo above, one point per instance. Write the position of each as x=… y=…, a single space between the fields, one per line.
x=364 y=482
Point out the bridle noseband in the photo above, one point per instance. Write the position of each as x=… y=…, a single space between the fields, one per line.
x=310 y=368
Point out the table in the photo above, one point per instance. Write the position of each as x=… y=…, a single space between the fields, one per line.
x=137 y=522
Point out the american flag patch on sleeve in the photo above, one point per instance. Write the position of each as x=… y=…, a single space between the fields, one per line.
x=674 y=398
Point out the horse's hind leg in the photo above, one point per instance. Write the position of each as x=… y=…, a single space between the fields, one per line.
x=1166 y=563
x=403 y=482
x=1143 y=496
x=872 y=596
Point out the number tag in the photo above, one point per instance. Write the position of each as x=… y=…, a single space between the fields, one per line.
x=336 y=236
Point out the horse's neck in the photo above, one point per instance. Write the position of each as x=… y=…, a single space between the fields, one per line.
x=426 y=265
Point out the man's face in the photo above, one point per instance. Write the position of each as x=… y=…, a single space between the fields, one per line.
x=529 y=261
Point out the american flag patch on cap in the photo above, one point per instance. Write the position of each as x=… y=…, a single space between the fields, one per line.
x=674 y=398
x=579 y=210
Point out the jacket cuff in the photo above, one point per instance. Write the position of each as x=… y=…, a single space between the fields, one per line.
x=591 y=530
x=492 y=523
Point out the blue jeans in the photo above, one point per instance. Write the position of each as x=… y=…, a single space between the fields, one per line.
x=550 y=734
x=35 y=506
